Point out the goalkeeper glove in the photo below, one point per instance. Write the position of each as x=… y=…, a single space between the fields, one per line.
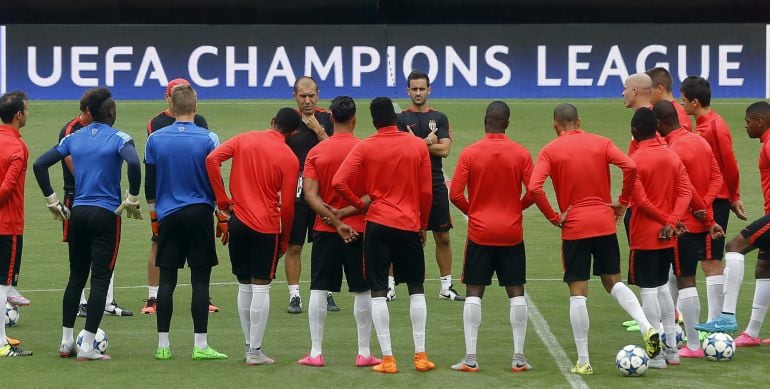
x=153 y=219
x=131 y=205
x=223 y=231
x=57 y=209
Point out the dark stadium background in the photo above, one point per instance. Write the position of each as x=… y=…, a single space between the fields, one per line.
x=382 y=11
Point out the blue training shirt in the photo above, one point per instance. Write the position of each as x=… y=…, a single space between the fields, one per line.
x=179 y=154
x=95 y=151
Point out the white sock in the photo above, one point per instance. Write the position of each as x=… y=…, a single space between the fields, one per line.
x=666 y=304
x=446 y=281
x=293 y=291
x=362 y=310
x=3 y=298
x=201 y=341
x=381 y=321
x=391 y=282
x=650 y=305
x=759 y=306
x=163 y=339
x=627 y=300
x=88 y=341
x=471 y=323
x=67 y=335
x=733 y=276
x=83 y=297
x=418 y=312
x=110 y=291
x=316 y=315
x=260 y=308
x=673 y=289
x=244 y=309
x=518 y=315
x=578 y=317
x=689 y=305
x=715 y=295
x=152 y=292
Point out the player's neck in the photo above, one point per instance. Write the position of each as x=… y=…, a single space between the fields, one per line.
x=186 y=118
x=420 y=108
x=701 y=111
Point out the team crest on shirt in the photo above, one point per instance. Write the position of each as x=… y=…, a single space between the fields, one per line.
x=432 y=125
x=94 y=130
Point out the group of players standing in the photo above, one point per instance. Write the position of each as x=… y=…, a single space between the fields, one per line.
x=375 y=198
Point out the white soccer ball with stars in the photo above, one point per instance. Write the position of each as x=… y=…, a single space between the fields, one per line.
x=631 y=361
x=679 y=336
x=719 y=347
x=11 y=314
x=101 y=340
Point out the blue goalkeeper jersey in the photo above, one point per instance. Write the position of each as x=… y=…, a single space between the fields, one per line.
x=179 y=154
x=95 y=151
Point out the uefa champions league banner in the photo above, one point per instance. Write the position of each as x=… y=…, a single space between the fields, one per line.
x=463 y=61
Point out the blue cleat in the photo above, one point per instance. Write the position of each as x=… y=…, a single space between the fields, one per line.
x=723 y=323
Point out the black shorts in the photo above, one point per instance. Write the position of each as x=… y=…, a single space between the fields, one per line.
x=69 y=198
x=576 y=257
x=509 y=262
x=758 y=233
x=94 y=240
x=440 y=220
x=302 y=226
x=252 y=254
x=649 y=268
x=330 y=255
x=384 y=245
x=695 y=247
x=187 y=235
x=721 y=208
x=10 y=259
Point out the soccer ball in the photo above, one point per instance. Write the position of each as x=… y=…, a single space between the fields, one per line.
x=631 y=361
x=11 y=314
x=719 y=347
x=679 y=336
x=101 y=340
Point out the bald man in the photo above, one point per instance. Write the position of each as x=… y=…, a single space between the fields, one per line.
x=587 y=217
x=637 y=91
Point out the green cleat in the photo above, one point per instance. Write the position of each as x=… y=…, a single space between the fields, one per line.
x=633 y=328
x=629 y=323
x=652 y=343
x=163 y=354
x=207 y=353
x=584 y=369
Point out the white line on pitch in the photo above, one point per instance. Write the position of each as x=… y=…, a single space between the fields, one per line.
x=552 y=345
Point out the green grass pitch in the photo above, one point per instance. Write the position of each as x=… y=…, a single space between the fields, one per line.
x=133 y=339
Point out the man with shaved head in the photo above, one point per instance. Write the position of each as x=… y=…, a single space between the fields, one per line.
x=636 y=91
x=316 y=126
x=494 y=170
x=587 y=218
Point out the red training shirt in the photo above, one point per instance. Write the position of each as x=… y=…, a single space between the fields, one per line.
x=397 y=178
x=706 y=179
x=494 y=170
x=764 y=169
x=263 y=175
x=716 y=132
x=578 y=164
x=661 y=195
x=321 y=163
x=13 y=170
